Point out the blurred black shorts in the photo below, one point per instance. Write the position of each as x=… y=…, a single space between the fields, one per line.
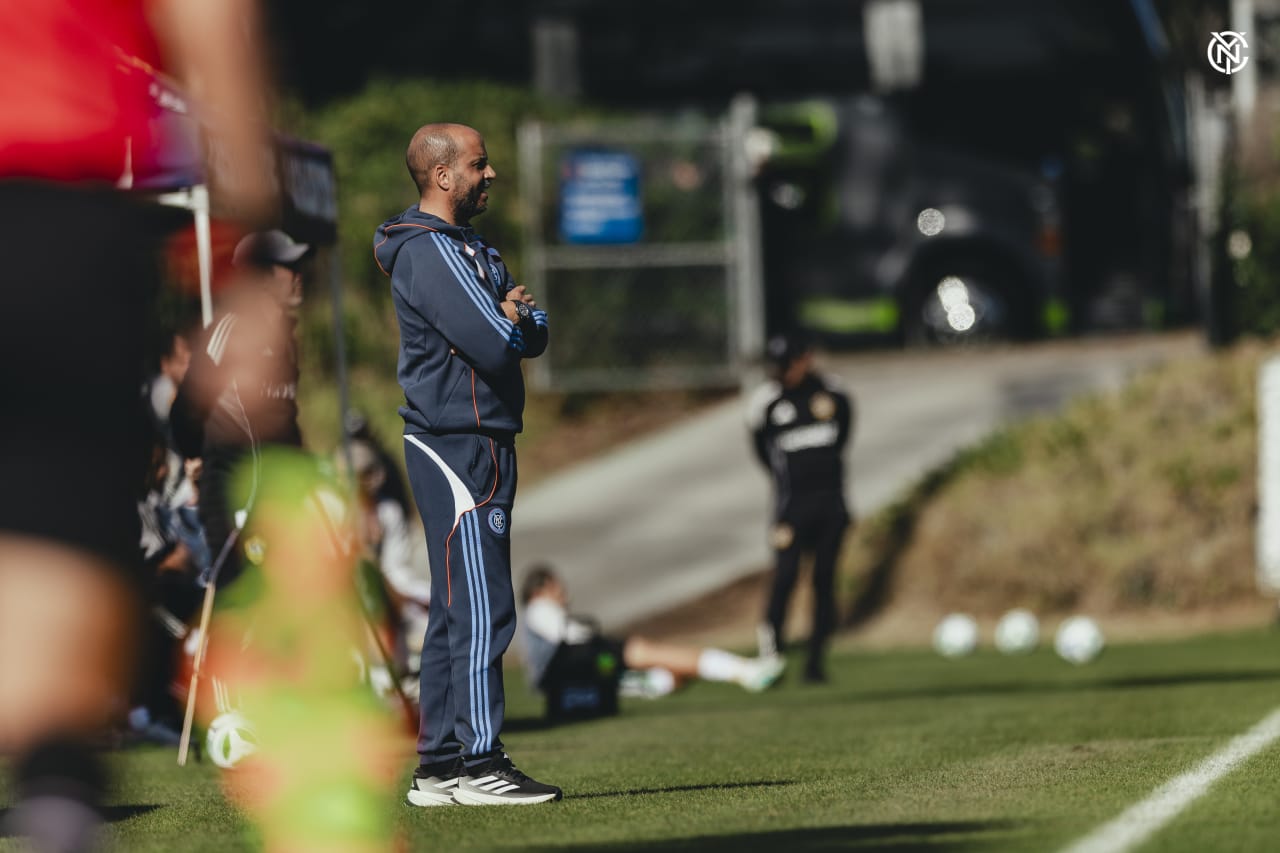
x=78 y=273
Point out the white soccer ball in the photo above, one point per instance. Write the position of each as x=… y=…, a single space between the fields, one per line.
x=1017 y=632
x=956 y=635
x=1079 y=640
x=231 y=739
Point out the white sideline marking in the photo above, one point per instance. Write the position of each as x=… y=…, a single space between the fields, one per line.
x=1144 y=819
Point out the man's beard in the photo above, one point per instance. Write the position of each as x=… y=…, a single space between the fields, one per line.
x=467 y=204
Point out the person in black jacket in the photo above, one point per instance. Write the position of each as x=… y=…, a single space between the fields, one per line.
x=800 y=425
x=241 y=390
x=465 y=329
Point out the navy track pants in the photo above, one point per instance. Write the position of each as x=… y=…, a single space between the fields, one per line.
x=464 y=485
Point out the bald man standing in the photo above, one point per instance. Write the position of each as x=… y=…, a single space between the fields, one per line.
x=465 y=326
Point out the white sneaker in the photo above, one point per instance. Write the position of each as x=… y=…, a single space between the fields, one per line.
x=761 y=673
x=430 y=789
x=646 y=683
x=499 y=783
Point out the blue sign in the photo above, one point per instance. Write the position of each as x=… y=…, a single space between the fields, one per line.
x=600 y=197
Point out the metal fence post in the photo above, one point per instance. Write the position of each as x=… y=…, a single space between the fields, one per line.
x=1268 y=532
x=747 y=263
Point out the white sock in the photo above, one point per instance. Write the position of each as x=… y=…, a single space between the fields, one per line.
x=717 y=665
x=765 y=639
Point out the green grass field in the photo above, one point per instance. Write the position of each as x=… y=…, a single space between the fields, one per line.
x=902 y=751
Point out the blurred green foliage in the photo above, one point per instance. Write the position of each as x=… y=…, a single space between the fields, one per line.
x=368 y=134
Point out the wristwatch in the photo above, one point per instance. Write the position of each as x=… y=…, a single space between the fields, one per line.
x=523 y=312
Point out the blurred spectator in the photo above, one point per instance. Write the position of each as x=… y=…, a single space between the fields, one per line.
x=163 y=387
x=241 y=390
x=162 y=550
x=662 y=667
x=173 y=556
x=392 y=486
x=161 y=390
x=73 y=308
x=184 y=514
x=389 y=540
x=170 y=522
x=800 y=424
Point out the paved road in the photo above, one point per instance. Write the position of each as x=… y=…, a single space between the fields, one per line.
x=683 y=512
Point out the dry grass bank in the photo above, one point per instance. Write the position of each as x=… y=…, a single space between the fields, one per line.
x=1136 y=506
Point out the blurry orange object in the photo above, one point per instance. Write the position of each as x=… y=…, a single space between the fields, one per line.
x=327 y=750
x=183 y=263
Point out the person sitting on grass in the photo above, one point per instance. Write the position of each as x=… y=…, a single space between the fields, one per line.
x=653 y=668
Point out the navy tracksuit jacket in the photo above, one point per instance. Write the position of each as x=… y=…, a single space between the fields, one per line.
x=459 y=366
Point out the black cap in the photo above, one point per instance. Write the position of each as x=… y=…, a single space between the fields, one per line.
x=781 y=350
x=264 y=248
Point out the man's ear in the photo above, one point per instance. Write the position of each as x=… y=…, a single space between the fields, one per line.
x=442 y=178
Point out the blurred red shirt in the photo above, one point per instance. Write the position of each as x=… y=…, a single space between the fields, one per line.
x=71 y=93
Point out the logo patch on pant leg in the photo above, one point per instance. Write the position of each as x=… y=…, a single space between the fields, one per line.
x=498 y=521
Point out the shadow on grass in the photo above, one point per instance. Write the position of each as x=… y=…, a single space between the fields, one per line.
x=902 y=837
x=675 y=789
x=1175 y=679
x=113 y=814
x=1131 y=683
x=1013 y=688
